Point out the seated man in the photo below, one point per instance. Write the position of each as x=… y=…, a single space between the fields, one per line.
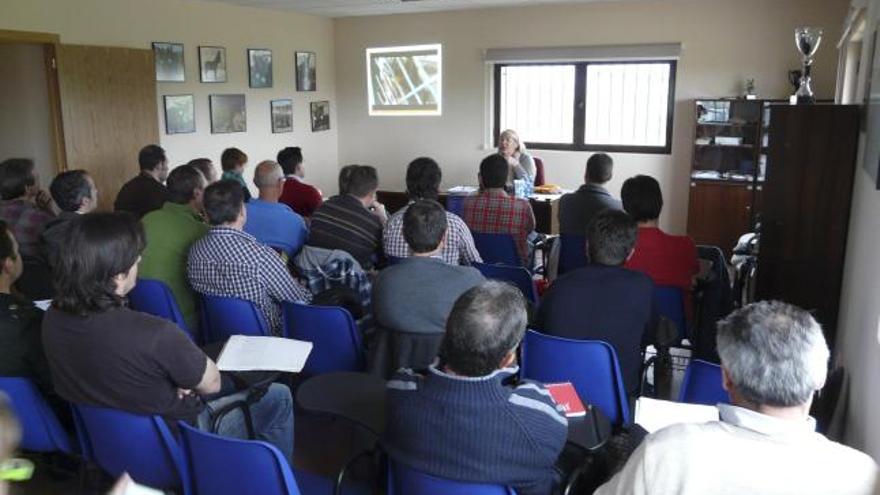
x=206 y=167
x=577 y=209
x=461 y=421
x=233 y=161
x=170 y=232
x=423 y=177
x=604 y=301
x=146 y=192
x=271 y=222
x=75 y=194
x=493 y=211
x=231 y=263
x=101 y=353
x=300 y=197
x=667 y=259
x=773 y=359
x=416 y=295
x=353 y=220
x=23 y=206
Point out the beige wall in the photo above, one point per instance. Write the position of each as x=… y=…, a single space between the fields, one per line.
x=723 y=44
x=137 y=23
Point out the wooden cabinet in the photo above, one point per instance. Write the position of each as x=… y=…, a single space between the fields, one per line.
x=719 y=212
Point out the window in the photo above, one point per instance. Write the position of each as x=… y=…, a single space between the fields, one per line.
x=404 y=80
x=612 y=106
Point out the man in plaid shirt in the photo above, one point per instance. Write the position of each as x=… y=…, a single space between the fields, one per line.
x=24 y=207
x=423 y=182
x=493 y=211
x=229 y=262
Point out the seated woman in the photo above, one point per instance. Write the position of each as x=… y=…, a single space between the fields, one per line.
x=521 y=163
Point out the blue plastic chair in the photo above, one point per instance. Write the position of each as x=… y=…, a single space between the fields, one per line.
x=403 y=480
x=41 y=430
x=393 y=260
x=155 y=297
x=515 y=275
x=223 y=317
x=702 y=384
x=497 y=249
x=670 y=303
x=333 y=333
x=572 y=253
x=121 y=442
x=590 y=365
x=455 y=204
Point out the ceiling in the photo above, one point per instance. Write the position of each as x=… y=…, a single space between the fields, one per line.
x=343 y=8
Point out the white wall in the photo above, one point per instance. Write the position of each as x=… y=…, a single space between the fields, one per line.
x=137 y=23
x=724 y=42
x=25 y=122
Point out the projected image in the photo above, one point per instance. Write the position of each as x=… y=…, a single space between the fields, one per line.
x=405 y=80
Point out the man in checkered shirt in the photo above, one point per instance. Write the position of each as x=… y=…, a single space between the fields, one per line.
x=231 y=263
x=423 y=182
x=493 y=211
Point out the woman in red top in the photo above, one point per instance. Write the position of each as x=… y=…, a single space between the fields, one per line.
x=667 y=259
x=300 y=197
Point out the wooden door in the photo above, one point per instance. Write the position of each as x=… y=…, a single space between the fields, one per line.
x=719 y=213
x=108 y=107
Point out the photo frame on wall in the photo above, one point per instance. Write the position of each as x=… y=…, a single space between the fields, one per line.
x=259 y=68
x=228 y=113
x=169 y=62
x=282 y=115
x=212 y=64
x=306 y=64
x=320 y=113
x=180 y=114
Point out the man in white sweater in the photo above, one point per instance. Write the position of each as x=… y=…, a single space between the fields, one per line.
x=773 y=358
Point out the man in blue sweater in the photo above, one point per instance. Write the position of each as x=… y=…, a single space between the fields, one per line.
x=463 y=421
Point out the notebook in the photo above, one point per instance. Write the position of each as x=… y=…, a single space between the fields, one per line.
x=252 y=353
x=566 y=396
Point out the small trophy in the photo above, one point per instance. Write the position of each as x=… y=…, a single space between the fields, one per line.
x=807 y=40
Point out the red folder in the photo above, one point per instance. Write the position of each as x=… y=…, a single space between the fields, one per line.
x=566 y=396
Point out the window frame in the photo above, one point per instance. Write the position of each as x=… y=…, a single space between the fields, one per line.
x=580 y=90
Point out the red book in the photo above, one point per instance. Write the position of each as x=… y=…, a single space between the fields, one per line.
x=566 y=396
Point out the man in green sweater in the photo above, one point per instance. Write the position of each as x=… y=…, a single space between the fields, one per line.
x=170 y=231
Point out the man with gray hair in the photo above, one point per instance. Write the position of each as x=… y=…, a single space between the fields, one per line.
x=773 y=359
x=272 y=223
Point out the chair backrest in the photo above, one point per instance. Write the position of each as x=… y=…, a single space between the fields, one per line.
x=702 y=384
x=155 y=297
x=590 y=365
x=455 y=204
x=403 y=480
x=226 y=316
x=41 y=430
x=572 y=252
x=121 y=442
x=539 y=171
x=670 y=303
x=393 y=260
x=497 y=249
x=333 y=333
x=227 y=466
x=515 y=275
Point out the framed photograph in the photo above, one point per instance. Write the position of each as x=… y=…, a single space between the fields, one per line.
x=228 y=114
x=212 y=64
x=305 y=71
x=180 y=114
x=320 y=111
x=260 y=68
x=282 y=115
x=169 y=62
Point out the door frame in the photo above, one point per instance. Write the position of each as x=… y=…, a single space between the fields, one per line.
x=49 y=42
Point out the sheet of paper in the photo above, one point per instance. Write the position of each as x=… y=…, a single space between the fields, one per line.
x=653 y=414
x=249 y=353
x=44 y=304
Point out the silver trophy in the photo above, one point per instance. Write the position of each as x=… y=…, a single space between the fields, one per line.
x=807 y=40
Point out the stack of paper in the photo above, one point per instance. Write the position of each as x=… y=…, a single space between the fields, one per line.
x=248 y=353
x=653 y=414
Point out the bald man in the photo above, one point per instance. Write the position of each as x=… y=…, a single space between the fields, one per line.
x=271 y=222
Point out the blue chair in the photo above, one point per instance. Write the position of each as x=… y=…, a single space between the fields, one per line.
x=332 y=331
x=403 y=480
x=155 y=297
x=702 y=384
x=227 y=466
x=121 y=442
x=515 y=275
x=223 y=317
x=497 y=249
x=41 y=430
x=572 y=253
x=590 y=365
x=670 y=303
x=393 y=260
x=455 y=204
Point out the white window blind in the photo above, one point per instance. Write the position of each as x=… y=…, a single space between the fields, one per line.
x=538 y=101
